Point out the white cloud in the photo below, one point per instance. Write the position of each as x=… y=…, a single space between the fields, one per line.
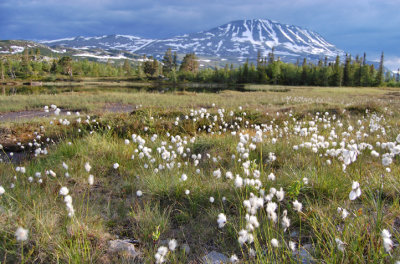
x=393 y=63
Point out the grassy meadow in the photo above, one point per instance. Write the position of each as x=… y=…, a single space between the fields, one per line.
x=272 y=175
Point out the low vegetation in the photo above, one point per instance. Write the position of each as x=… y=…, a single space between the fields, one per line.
x=283 y=175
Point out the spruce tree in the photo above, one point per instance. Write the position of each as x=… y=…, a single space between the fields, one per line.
x=337 y=73
x=379 y=76
x=189 y=63
x=2 y=70
x=168 y=63
x=175 y=61
x=346 y=71
x=127 y=67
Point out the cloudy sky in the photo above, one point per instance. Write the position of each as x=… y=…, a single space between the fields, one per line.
x=352 y=25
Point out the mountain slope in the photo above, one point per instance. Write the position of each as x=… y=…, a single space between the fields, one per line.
x=235 y=41
x=243 y=39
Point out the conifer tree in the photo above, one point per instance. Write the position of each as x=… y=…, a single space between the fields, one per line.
x=168 y=63
x=189 y=63
x=175 y=61
x=2 y=70
x=379 y=76
x=337 y=73
x=127 y=67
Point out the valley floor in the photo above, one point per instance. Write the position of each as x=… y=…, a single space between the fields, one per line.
x=270 y=174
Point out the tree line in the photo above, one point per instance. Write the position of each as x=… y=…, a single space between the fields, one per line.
x=348 y=71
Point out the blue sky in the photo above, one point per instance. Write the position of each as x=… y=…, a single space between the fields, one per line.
x=352 y=25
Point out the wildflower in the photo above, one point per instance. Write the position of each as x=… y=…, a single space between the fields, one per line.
x=184 y=177
x=187 y=192
x=355 y=192
x=386 y=161
x=221 y=220
x=91 y=179
x=21 y=234
x=172 y=244
x=271 y=177
x=64 y=191
x=139 y=193
x=344 y=212
x=2 y=191
x=244 y=237
x=217 y=173
x=305 y=180
x=275 y=242
x=234 y=259
x=116 y=165
x=387 y=241
x=126 y=141
x=297 y=206
x=280 y=195
x=271 y=207
x=160 y=255
x=211 y=199
x=292 y=245
x=65 y=166
x=238 y=181
x=285 y=221
x=340 y=244
x=87 y=167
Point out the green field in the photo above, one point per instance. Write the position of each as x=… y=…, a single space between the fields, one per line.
x=218 y=171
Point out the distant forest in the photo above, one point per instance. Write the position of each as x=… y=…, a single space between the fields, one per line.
x=348 y=71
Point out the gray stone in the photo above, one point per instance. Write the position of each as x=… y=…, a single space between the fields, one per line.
x=185 y=247
x=303 y=254
x=124 y=247
x=215 y=258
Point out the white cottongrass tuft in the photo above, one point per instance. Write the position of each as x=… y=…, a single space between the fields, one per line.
x=91 y=179
x=271 y=177
x=139 y=193
x=21 y=234
x=355 y=192
x=64 y=191
x=160 y=255
x=340 y=244
x=387 y=241
x=274 y=242
x=292 y=245
x=172 y=244
x=184 y=177
x=116 y=166
x=2 y=191
x=280 y=195
x=88 y=167
x=221 y=220
x=212 y=199
x=285 y=221
x=234 y=259
x=187 y=192
x=297 y=206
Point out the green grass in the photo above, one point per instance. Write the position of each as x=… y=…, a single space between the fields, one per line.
x=110 y=208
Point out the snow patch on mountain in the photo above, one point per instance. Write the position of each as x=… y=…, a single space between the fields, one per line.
x=237 y=40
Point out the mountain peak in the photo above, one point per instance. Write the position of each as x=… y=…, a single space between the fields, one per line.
x=235 y=41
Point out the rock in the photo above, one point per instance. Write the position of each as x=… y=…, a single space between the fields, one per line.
x=215 y=258
x=185 y=247
x=303 y=256
x=124 y=247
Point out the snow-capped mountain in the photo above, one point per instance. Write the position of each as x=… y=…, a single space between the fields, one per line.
x=235 y=41
x=106 y=42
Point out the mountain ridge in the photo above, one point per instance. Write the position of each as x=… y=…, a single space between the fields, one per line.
x=237 y=40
